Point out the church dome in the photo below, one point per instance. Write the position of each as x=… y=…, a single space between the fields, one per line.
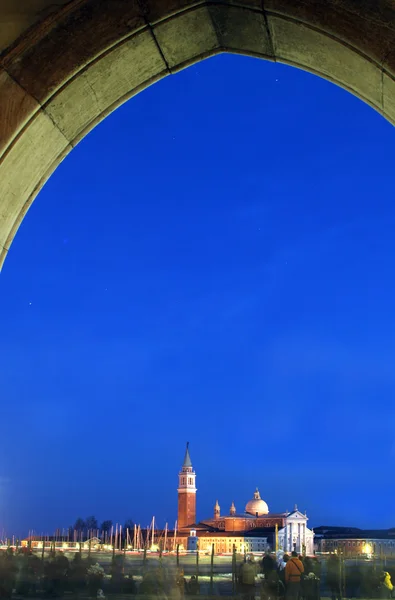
x=257 y=506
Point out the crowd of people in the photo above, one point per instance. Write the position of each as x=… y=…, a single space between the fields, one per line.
x=278 y=576
x=295 y=577
x=164 y=583
x=285 y=576
x=26 y=574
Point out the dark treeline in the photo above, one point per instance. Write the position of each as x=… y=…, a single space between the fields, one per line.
x=106 y=527
x=90 y=527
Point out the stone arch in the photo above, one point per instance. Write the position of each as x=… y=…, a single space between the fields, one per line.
x=75 y=65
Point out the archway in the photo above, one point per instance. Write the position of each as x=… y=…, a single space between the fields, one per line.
x=70 y=68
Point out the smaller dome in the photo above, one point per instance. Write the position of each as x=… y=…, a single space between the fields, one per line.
x=257 y=506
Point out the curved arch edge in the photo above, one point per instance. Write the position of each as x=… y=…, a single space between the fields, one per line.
x=39 y=129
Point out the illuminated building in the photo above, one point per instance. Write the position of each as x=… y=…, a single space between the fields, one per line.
x=60 y=543
x=352 y=541
x=252 y=530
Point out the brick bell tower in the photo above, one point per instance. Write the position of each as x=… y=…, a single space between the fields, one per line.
x=186 y=493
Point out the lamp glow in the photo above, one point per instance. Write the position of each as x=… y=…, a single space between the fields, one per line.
x=367 y=549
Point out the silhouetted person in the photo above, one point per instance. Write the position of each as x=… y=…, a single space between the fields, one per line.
x=293 y=572
x=193 y=586
x=353 y=581
x=248 y=580
x=130 y=585
x=333 y=577
x=268 y=564
x=308 y=565
x=273 y=586
x=151 y=584
x=181 y=583
x=239 y=577
x=281 y=568
x=77 y=573
x=317 y=567
x=8 y=572
x=30 y=570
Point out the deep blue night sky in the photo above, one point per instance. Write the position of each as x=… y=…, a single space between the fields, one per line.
x=213 y=263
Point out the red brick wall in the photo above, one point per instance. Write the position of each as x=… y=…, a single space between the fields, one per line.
x=186 y=509
x=236 y=524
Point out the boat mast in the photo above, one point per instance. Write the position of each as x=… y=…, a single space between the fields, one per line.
x=175 y=536
x=165 y=545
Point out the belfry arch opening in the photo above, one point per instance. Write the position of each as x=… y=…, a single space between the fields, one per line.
x=73 y=63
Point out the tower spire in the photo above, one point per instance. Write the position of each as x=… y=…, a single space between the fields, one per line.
x=187 y=459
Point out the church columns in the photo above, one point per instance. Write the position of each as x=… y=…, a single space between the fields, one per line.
x=297 y=536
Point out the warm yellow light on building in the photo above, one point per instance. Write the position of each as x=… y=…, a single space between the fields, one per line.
x=367 y=549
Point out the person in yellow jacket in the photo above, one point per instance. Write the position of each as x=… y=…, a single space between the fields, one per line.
x=387 y=586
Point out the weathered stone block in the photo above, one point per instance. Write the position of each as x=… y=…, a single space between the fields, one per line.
x=24 y=169
x=18 y=16
x=358 y=23
x=16 y=108
x=241 y=30
x=44 y=62
x=158 y=10
x=312 y=50
x=185 y=38
x=389 y=98
x=105 y=84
